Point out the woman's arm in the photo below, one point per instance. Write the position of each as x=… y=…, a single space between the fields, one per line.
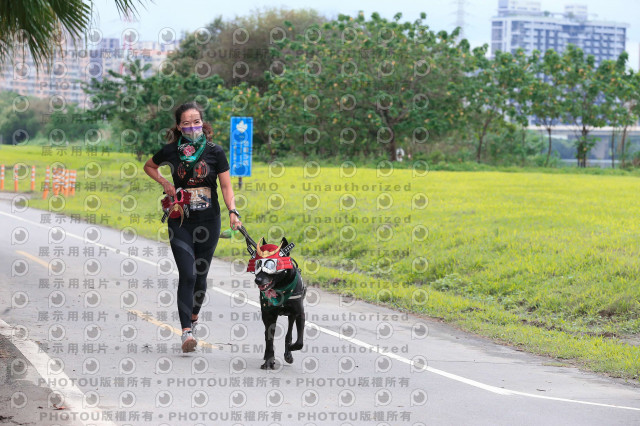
x=151 y=169
x=229 y=198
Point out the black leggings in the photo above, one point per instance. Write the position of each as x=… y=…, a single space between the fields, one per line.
x=193 y=245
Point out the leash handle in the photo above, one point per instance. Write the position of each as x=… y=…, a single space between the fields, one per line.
x=251 y=245
x=249 y=240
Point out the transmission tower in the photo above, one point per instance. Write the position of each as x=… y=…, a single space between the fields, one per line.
x=460 y=14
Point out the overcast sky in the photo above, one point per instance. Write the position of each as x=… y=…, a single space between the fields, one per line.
x=188 y=15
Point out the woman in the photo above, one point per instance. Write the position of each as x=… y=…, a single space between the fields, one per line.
x=195 y=162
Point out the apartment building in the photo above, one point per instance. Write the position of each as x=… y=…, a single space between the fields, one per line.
x=523 y=24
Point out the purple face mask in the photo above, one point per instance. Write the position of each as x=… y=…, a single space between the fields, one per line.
x=192 y=133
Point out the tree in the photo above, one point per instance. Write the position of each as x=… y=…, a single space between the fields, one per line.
x=20 y=117
x=491 y=93
x=36 y=25
x=71 y=124
x=141 y=108
x=583 y=101
x=633 y=105
x=546 y=93
x=523 y=79
x=362 y=87
x=239 y=50
x=619 y=95
x=191 y=49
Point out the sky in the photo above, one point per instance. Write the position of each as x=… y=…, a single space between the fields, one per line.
x=189 y=15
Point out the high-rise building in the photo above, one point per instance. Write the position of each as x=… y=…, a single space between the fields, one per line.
x=522 y=24
x=78 y=62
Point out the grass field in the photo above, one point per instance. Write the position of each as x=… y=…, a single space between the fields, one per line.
x=546 y=262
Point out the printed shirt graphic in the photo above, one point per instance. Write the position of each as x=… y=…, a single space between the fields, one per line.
x=201 y=181
x=200 y=198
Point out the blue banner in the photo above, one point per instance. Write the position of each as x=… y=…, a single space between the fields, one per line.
x=241 y=146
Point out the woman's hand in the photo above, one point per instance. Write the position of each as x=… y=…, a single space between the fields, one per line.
x=234 y=222
x=168 y=188
x=151 y=169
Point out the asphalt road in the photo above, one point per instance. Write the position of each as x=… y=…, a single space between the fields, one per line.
x=88 y=335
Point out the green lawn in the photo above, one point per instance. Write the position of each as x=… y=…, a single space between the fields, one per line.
x=547 y=262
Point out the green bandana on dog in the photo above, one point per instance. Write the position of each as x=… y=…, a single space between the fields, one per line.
x=273 y=298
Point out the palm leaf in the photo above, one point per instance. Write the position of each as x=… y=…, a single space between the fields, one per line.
x=37 y=26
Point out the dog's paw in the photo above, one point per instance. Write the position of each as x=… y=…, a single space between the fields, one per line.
x=296 y=346
x=269 y=365
x=288 y=357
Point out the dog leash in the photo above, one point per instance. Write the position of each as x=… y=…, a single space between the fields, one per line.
x=251 y=244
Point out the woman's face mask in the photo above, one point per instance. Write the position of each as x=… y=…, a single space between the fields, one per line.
x=192 y=133
x=191 y=124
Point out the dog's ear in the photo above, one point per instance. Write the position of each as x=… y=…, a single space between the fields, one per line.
x=283 y=247
x=286 y=247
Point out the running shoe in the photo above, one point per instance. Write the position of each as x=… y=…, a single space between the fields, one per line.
x=189 y=342
x=194 y=324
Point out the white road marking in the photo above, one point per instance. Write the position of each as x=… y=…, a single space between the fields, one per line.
x=470 y=382
x=60 y=382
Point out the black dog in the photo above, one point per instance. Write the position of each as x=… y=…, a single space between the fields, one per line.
x=282 y=292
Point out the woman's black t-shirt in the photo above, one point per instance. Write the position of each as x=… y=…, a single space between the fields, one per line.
x=201 y=181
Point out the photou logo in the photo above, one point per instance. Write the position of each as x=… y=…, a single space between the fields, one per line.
x=90 y=399
x=346 y=364
x=92 y=332
x=238 y=365
x=127 y=366
x=55 y=366
x=164 y=365
x=274 y=398
x=199 y=399
x=310 y=365
x=346 y=398
x=418 y=397
x=19 y=299
x=310 y=398
x=164 y=399
x=383 y=364
x=383 y=397
x=199 y=365
x=237 y=398
x=127 y=399
x=19 y=235
x=90 y=366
